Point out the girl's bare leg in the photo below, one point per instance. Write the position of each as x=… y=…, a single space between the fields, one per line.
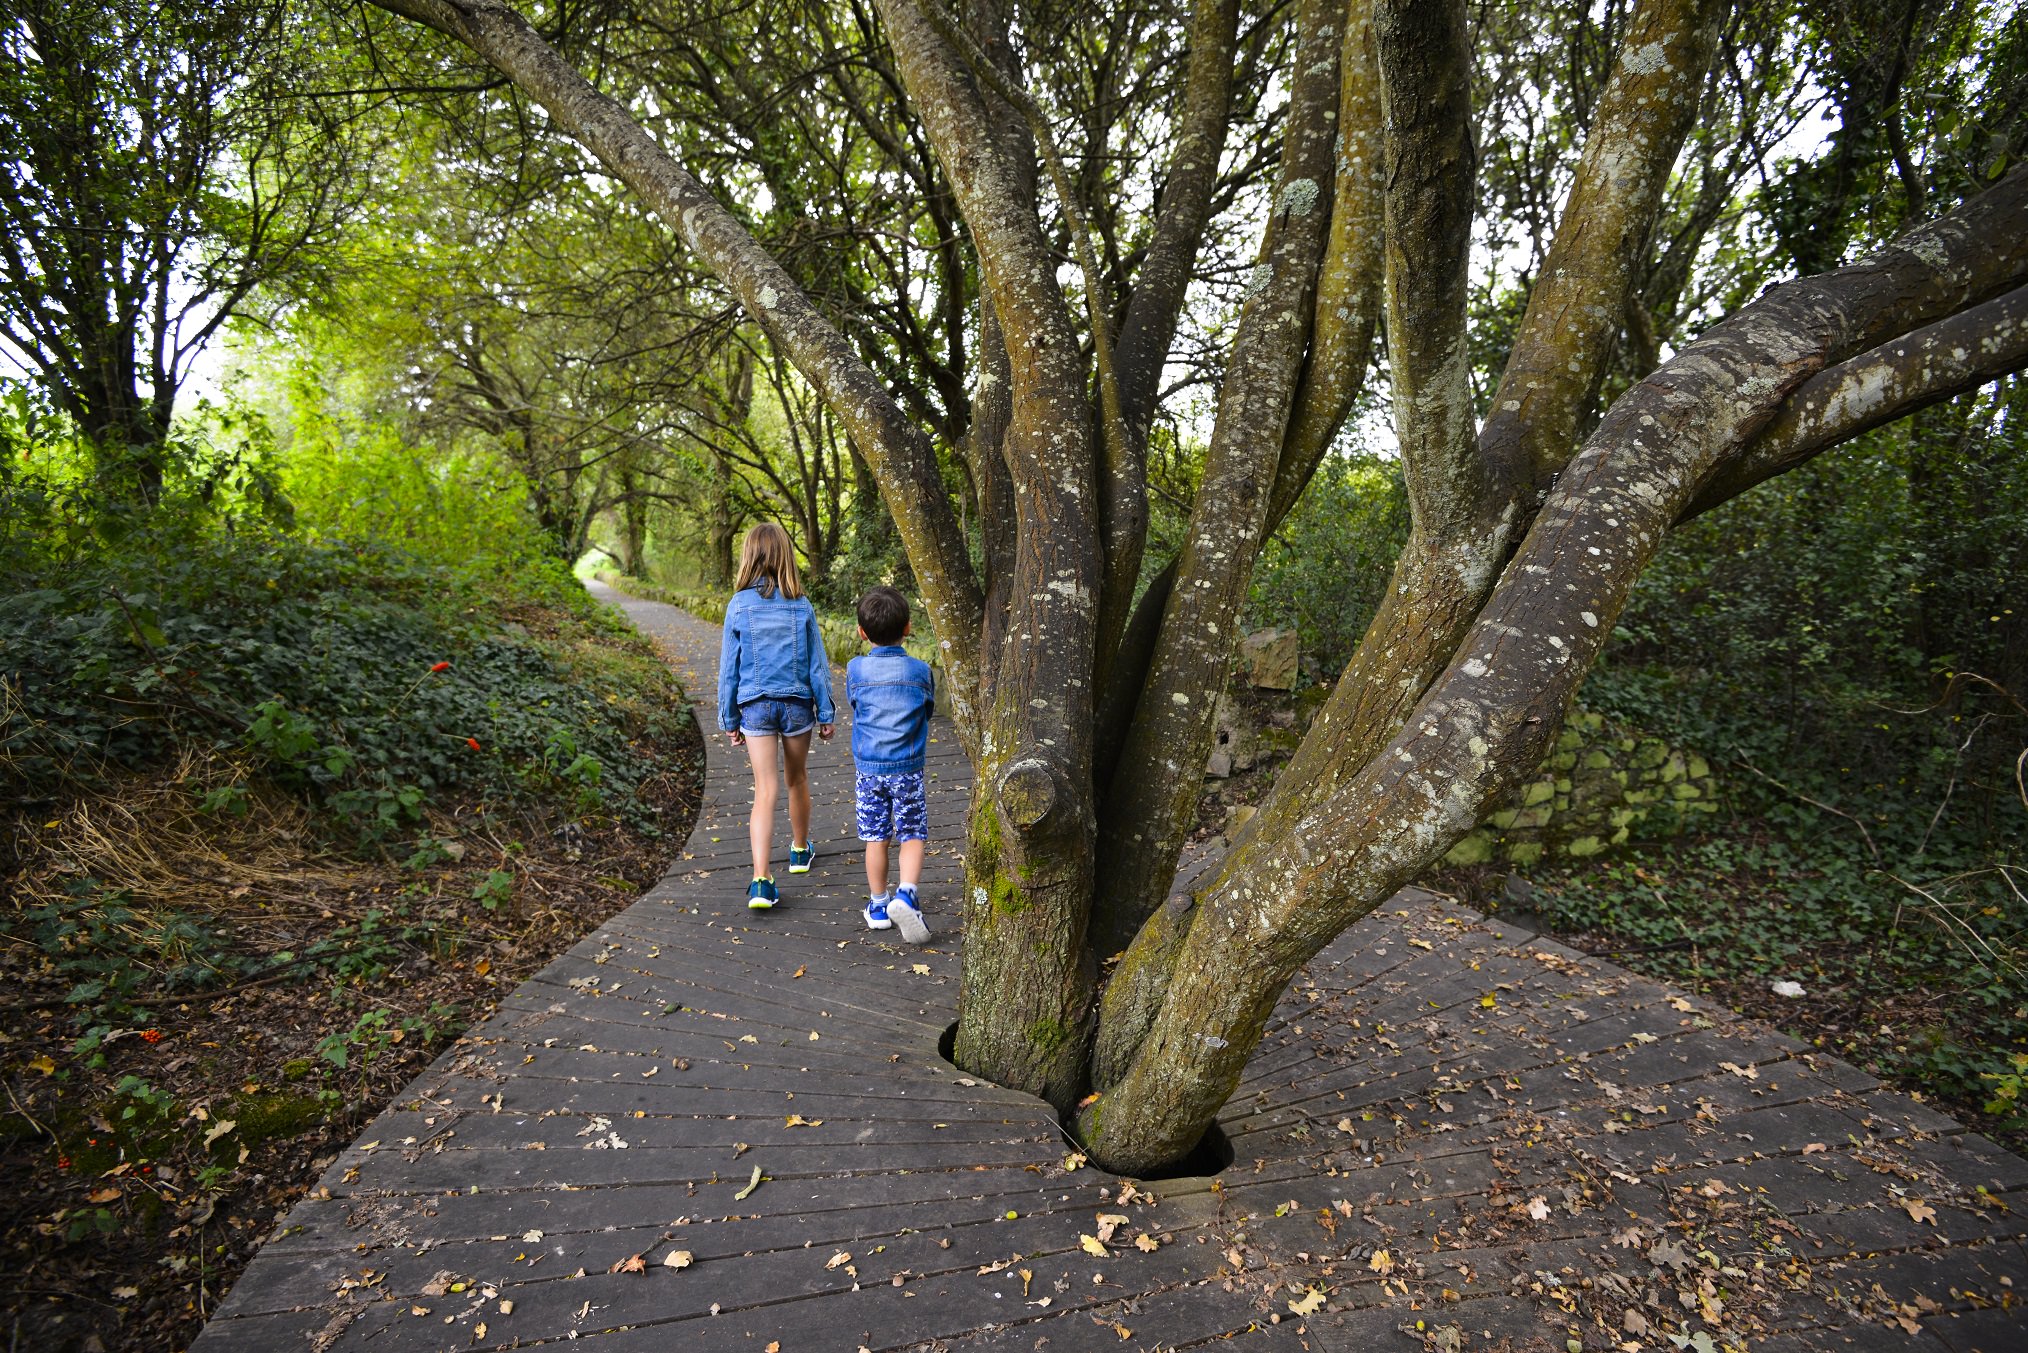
x=796 y=767
x=760 y=831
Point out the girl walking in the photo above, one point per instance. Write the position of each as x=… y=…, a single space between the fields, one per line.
x=774 y=687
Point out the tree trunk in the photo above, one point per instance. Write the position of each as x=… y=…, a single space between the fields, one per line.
x=1502 y=600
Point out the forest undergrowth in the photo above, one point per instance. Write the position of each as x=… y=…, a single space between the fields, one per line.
x=282 y=812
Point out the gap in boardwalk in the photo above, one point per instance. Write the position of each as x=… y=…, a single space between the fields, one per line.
x=1210 y=1158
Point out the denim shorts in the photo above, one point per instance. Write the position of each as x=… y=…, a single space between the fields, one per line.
x=892 y=807
x=768 y=717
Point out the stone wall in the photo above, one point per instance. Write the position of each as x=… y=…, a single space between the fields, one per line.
x=1603 y=785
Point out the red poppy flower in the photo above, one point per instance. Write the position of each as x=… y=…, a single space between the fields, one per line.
x=473 y=743
x=441 y=667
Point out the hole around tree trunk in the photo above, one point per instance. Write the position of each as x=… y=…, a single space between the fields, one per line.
x=1211 y=1157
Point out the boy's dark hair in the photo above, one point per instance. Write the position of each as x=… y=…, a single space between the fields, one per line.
x=883 y=614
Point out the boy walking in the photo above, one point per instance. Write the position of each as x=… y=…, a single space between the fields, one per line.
x=892 y=697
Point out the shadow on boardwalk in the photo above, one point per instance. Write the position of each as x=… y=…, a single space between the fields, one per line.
x=1454 y=1136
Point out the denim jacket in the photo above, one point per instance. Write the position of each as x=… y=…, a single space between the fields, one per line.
x=893 y=696
x=772 y=647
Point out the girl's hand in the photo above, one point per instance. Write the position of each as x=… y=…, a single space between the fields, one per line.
x=824 y=731
x=736 y=737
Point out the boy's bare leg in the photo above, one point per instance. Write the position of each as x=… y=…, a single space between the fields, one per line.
x=760 y=827
x=911 y=861
x=796 y=769
x=876 y=866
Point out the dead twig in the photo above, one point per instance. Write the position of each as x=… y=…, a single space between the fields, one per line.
x=1871 y=848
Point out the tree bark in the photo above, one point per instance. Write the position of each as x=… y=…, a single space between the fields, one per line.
x=1153 y=796
x=1489 y=719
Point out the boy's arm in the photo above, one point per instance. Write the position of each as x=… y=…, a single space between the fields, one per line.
x=728 y=673
x=820 y=670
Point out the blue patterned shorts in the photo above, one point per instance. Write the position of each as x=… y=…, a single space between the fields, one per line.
x=768 y=716
x=892 y=808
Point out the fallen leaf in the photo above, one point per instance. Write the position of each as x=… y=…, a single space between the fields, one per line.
x=633 y=1263
x=838 y=1260
x=1092 y=1246
x=1752 y=1073
x=1918 y=1210
x=1382 y=1263
x=1108 y=1222
x=1814 y=1148
x=1233 y=1257
x=1538 y=1208
x=102 y=1195
x=1146 y=1243
x=920 y=969
x=1679 y=1003
x=1489 y=1000
x=739 y=1149
x=751 y=1185
x=798 y=972
x=797 y=1120
x=219 y=1129
x=774 y=1346
x=531 y=1237
x=507 y=1305
x=44 y=1064
x=678 y=1259
x=1310 y=1303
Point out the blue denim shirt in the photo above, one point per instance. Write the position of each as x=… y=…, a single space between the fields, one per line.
x=772 y=647
x=893 y=696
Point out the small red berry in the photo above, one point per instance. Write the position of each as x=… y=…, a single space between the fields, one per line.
x=441 y=667
x=473 y=743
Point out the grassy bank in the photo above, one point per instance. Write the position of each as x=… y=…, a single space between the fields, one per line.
x=238 y=764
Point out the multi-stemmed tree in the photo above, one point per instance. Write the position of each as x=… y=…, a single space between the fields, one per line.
x=1084 y=698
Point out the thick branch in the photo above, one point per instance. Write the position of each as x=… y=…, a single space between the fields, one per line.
x=1876 y=388
x=1425 y=78
x=1154 y=790
x=1164 y=276
x=1574 y=309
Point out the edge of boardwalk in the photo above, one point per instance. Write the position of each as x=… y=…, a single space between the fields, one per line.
x=1397 y=1136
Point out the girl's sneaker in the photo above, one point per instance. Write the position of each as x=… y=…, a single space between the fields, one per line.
x=876 y=914
x=904 y=912
x=761 y=894
x=801 y=857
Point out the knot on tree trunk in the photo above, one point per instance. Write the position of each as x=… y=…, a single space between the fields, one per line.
x=1028 y=793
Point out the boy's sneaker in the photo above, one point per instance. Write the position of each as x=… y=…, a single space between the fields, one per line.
x=876 y=914
x=904 y=912
x=761 y=894
x=800 y=857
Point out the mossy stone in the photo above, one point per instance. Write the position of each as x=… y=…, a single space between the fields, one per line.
x=1475 y=848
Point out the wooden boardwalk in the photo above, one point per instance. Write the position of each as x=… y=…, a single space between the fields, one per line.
x=1455 y=1136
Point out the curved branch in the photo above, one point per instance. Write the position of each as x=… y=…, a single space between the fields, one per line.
x=909 y=477
x=1876 y=388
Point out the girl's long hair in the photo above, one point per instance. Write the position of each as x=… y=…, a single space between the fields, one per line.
x=767 y=558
